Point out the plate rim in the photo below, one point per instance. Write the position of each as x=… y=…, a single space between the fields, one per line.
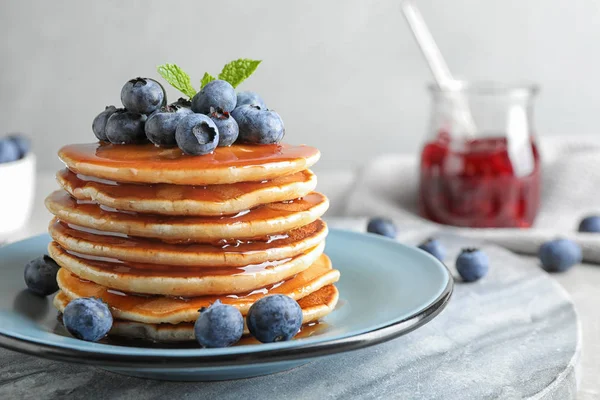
x=303 y=351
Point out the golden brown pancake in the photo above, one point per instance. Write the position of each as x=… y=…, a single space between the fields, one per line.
x=224 y=253
x=182 y=281
x=166 y=199
x=264 y=220
x=314 y=307
x=169 y=309
x=150 y=164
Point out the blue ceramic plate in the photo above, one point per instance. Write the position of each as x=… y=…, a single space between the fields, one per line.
x=386 y=290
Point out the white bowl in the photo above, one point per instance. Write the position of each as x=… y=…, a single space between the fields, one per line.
x=17 y=188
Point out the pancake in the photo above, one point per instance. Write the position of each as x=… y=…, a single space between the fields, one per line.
x=181 y=281
x=169 y=309
x=166 y=199
x=222 y=254
x=264 y=220
x=314 y=307
x=147 y=163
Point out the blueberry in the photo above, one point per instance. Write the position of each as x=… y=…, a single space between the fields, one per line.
x=143 y=95
x=258 y=126
x=559 y=255
x=197 y=134
x=22 y=142
x=99 y=124
x=274 y=318
x=9 y=151
x=228 y=128
x=216 y=94
x=434 y=247
x=40 y=275
x=87 y=318
x=125 y=127
x=161 y=125
x=219 y=325
x=472 y=264
x=590 y=224
x=182 y=102
x=382 y=226
x=250 y=98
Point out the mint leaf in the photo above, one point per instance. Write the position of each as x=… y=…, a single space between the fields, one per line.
x=205 y=79
x=237 y=71
x=177 y=78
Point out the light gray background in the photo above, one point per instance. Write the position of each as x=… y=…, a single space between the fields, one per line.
x=345 y=75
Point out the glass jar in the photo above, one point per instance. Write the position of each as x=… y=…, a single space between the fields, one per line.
x=480 y=165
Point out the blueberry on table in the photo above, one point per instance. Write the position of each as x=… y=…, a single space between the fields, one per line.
x=99 y=123
x=87 y=318
x=40 y=275
x=9 y=151
x=472 y=264
x=382 y=226
x=590 y=224
x=434 y=247
x=274 y=318
x=250 y=98
x=197 y=134
x=143 y=95
x=559 y=255
x=219 y=325
x=215 y=94
x=126 y=127
x=160 y=127
x=228 y=128
x=258 y=125
x=23 y=143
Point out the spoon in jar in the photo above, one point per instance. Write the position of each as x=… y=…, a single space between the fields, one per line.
x=439 y=68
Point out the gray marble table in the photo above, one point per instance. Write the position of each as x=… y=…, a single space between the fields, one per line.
x=512 y=335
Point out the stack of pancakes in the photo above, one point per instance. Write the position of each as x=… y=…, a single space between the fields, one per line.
x=158 y=235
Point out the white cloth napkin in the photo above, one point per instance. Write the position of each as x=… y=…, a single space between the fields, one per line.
x=387 y=186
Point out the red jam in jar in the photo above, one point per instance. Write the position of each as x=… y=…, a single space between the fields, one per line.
x=483 y=183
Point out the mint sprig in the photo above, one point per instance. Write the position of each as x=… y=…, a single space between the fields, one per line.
x=234 y=72
x=206 y=78
x=238 y=71
x=177 y=78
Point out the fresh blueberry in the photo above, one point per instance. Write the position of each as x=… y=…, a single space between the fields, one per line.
x=197 y=134
x=40 y=275
x=228 y=128
x=219 y=325
x=161 y=125
x=472 y=264
x=99 y=124
x=182 y=102
x=87 y=318
x=215 y=94
x=125 y=127
x=382 y=226
x=250 y=98
x=559 y=255
x=258 y=126
x=274 y=318
x=22 y=142
x=590 y=224
x=9 y=151
x=434 y=247
x=143 y=95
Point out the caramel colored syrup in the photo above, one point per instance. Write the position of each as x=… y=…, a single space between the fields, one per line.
x=124 y=268
x=148 y=163
x=161 y=306
x=162 y=191
x=271 y=213
x=223 y=246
